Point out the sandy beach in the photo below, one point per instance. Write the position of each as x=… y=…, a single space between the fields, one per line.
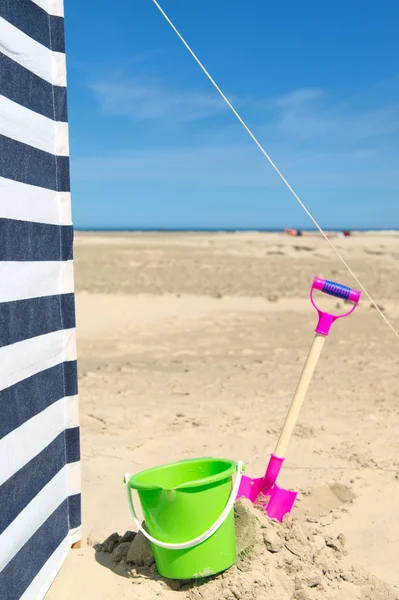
x=192 y=345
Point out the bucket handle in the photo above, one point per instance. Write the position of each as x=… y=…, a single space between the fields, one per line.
x=201 y=538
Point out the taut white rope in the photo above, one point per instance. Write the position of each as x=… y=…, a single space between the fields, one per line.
x=337 y=252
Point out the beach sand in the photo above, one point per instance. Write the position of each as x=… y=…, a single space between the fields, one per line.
x=192 y=345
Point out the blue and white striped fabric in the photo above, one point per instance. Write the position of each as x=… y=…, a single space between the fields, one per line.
x=40 y=501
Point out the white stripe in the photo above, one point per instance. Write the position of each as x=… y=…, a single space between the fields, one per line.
x=30 y=54
x=26 y=126
x=24 y=359
x=53 y=7
x=59 y=68
x=29 y=439
x=72 y=412
x=74 y=479
x=61 y=138
x=31 y=518
x=43 y=580
x=25 y=202
x=24 y=280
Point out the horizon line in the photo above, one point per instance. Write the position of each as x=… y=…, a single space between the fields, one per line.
x=228 y=229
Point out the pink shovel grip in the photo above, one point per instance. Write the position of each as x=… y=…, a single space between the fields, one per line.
x=339 y=291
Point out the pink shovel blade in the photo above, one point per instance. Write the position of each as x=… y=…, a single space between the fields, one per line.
x=263 y=491
x=250 y=488
x=279 y=502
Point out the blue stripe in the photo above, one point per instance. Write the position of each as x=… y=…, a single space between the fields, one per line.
x=72 y=445
x=29 y=397
x=24 y=485
x=27 y=89
x=35 y=22
x=17 y=576
x=26 y=164
x=26 y=241
x=75 y=511
x=25 y=319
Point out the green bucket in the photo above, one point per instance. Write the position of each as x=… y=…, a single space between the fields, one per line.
x=188 y=511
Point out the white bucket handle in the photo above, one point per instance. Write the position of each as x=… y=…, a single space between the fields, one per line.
x=201 y=538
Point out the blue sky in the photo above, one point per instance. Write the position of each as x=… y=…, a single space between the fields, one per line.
x=153 y=145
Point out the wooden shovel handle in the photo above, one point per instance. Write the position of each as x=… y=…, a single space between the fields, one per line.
x=300 y=394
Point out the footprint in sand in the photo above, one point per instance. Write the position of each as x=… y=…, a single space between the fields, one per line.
x=374 y=252
x=305 y=431
x=324 y=499
x=304 y=248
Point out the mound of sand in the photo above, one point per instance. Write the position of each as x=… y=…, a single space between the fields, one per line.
x=289 y=561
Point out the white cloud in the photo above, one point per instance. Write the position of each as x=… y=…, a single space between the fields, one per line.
x=298 y=98
x=313 y=114
x=313 y=138
x=300 y=114
x=149 y=102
